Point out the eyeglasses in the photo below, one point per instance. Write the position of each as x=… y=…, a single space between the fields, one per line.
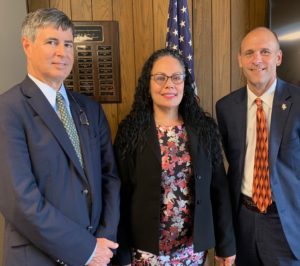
x=161 y=79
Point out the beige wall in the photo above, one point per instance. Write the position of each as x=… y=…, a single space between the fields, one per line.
x=1 y=238
x=12 y=63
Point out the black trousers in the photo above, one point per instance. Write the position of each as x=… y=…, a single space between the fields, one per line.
x=261 y=241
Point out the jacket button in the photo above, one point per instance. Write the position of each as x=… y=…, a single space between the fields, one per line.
x=85 y=191
x=199 y=177
x=90 y=228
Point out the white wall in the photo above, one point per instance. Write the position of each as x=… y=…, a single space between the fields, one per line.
x=12 y=58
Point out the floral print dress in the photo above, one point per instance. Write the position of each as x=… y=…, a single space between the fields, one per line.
x=177 y=197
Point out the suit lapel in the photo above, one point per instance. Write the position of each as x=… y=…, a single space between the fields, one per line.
x=84 y=138
x=281 y=107
x=240 y=129
x=236 y=138
x=199 y=161
x=241 y=113
x=40 y=104
x=151 y=139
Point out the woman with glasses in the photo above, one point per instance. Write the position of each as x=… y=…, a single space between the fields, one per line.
x=175 y=203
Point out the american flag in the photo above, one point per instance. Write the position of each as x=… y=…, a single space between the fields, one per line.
x=178 y=31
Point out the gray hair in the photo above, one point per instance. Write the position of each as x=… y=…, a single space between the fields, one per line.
x=44 y=17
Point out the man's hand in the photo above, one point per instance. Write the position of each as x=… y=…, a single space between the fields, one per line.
x=103 y=252
x=227 y=261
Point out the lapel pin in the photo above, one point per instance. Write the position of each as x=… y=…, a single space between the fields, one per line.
x=283 y=106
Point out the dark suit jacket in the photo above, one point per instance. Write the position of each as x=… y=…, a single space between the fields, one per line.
x=141 y=199
x=53 y=208
x=284 y=152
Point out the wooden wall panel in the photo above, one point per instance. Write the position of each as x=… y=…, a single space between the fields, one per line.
x=34 y=4
x=221 y=48
x=123 y=12
x=160 y=9
x=143 y=32
x=102 y=9
x=258 y=13
x=81 y=9
x=239 y=16
x=202 y=39
x=63 y=5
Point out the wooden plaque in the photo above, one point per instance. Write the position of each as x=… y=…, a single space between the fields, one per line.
x=96 y=70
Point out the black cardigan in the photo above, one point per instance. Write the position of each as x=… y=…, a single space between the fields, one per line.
x=141 y=195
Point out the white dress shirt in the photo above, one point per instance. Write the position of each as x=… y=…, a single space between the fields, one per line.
x=50 y=93
x=267 y=101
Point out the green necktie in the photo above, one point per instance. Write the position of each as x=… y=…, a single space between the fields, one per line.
x=69 y=125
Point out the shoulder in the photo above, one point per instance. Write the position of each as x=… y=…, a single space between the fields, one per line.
x=13 y=99
x=89 y=105
x=234 y=95
x=237 y=95
x=84 y=100
x=205 y=126
x=12 y=92
x=293 y=89
x=91 y=109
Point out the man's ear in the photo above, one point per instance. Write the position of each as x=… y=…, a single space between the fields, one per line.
x=279 y=58
x=27 y=45
x=240 y=60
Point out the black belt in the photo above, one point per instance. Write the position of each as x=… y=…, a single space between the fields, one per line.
x=249 y=204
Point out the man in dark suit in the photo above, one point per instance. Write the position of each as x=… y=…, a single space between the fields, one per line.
x=59 y=189
x=264 y=236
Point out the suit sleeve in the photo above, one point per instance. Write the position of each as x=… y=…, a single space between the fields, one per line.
x=222 y=209
x=225 y=240
x=222 y=126
x=123 y=256
x=24 y=206
x=110 y=184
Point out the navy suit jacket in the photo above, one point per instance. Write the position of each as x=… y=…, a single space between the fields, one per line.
x=54 y=209
x=284 y=152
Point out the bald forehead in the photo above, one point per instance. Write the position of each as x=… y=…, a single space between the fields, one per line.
x=260 y=34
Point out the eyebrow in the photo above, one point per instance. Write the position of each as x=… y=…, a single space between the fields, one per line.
x=55 y=39
x=261 y=49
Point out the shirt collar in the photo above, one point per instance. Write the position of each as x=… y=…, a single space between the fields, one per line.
x=267 y=97
x=50 y=93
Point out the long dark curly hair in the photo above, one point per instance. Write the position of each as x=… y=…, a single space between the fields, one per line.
x=141 y=115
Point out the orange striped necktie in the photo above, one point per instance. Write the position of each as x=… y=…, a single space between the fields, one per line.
x=261 y=190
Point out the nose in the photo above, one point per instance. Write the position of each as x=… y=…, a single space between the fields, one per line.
x=60 y=50
x=257 y=58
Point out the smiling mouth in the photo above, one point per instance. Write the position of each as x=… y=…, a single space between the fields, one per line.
x=169 y=94
x=257 y=69
x=61 y=65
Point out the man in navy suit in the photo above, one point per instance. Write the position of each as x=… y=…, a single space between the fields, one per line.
x=270 y=237
x=60 y=207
